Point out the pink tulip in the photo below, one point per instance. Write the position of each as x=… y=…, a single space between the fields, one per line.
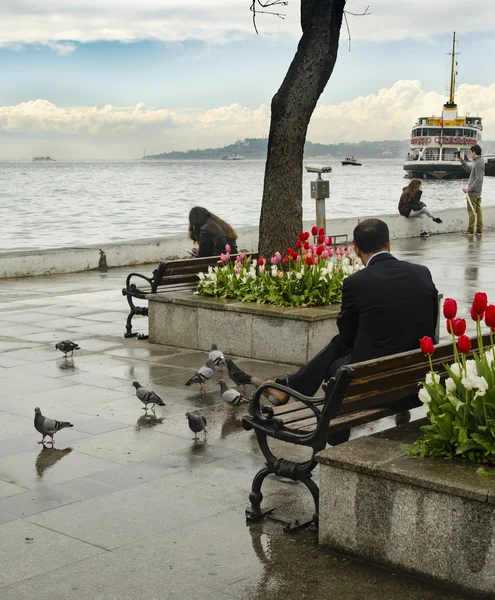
x=227 y=248
x=339 y=257
x=261 y=269
x=280 y=274
x=331 y=252
x=274 y=260
x=237 y=271
x=278 y=255
x=250 y=260
x=328 y=241
x=325 y=254
x=304 y=251
x=336 y=270
x=315 y=260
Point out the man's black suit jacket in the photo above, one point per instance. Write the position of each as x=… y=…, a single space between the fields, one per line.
x=386 y=308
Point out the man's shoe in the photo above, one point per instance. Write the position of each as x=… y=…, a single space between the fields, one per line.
x=479 y=233
x=424 y=234
x=437 y=220
x=468 y=233
x=276 y=397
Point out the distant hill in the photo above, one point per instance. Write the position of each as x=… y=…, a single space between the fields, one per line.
x=256 y=148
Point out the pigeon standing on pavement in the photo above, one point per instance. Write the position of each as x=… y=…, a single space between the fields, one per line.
x=67 y=346
x=147 y=396
x=197 y=423
x=48 y=426
x=216 y=356
x=238 y=376
x=231 y=396
x=203 y=374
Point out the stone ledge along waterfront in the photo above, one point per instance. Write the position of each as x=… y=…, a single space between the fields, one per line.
x=127 y=506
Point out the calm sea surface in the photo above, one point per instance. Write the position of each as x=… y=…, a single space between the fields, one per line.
x=54 y=204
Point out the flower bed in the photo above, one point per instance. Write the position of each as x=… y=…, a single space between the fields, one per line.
x=461 y=409
x=310 y=274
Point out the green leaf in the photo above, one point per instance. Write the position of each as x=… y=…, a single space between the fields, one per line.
x=482 y=472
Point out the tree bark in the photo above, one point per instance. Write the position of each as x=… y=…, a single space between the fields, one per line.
x=292 y=107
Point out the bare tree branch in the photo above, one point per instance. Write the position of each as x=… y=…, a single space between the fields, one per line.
x=266 y=4
x=365 y=13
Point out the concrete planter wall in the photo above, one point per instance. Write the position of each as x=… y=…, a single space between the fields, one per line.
x=264 y=332
x=428 y=517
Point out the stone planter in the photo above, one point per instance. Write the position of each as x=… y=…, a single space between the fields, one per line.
x=259 y=331
x=428 y=517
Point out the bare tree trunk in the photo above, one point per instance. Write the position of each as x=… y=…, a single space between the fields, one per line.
x=292 y=107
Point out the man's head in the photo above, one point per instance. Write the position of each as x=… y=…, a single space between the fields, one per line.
x=371 y=236
x=475 y=151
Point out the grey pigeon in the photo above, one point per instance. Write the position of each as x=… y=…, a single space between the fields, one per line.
x=231 y=396
x=216 y=356
x=67 y=346
x=238 y=376
x=48 y=426
x=147 y=396
x=203 y=374
x=197 y=423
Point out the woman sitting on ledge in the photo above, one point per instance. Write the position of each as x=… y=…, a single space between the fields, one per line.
x=411 y=205
x=210 y=233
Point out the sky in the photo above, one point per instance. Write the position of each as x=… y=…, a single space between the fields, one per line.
x=83 y=79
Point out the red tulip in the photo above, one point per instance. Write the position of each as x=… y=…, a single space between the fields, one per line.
x=427 y=345
x=490 y=315
x=306 y=245
x=321 y=239
x=295 y=255
x=289 y=251
x=448 y=323
x=298 y=244
x=261 y=262
x=322 y=231
x=309 y=260
x=319 y=251
x=449 y=308
x=480 y=302
x=329 y=241
x=301 y=236
x=314 y=230
x=459 y=326
x=306 y=235
x=464 y=344
x=475 y=316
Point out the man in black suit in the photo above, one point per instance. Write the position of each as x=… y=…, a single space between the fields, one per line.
x=386 y=308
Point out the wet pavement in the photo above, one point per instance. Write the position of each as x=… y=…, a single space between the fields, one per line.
x=127 y=505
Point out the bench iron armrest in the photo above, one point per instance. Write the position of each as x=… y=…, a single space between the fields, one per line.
x=131 y=289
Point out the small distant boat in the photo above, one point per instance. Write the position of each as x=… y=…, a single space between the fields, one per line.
x=233 y=157
x=42 y=158
x=351 y=161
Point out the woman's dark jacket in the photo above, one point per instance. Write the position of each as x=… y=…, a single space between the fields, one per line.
x=213 y=239
x=408 y=203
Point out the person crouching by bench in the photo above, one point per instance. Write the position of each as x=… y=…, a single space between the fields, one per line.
x=210 y=233
x=386 y=308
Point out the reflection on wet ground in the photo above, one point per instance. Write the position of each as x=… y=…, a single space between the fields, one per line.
x=126 y=496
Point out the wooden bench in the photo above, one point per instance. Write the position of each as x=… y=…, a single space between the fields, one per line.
x=359 y=393
x=173 y=275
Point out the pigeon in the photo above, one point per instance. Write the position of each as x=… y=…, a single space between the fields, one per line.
x=216 y=356
x=231 y=396
x=203 y=374
x=67 y=346
x=197 y=423
x=48 y=426
x=238 y=377
x=147 y=396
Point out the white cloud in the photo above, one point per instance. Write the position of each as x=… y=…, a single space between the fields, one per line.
x=219 y=21
x=388 y=114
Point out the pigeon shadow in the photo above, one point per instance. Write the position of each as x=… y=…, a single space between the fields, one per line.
x=48 y=457
x=67 y=363
x=147 y=421
x=231 y=424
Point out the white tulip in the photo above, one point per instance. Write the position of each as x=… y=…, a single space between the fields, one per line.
x=471 y=367
x=450 y=385
x=481 y=385
x=299 y=275
x=424 y=396
x=456 y=369
x=429 y=378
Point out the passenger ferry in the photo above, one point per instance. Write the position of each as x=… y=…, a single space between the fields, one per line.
x=437 y=141
x=351 y=161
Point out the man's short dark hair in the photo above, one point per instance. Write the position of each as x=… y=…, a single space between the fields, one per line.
x=476 y=148
x=371 y=235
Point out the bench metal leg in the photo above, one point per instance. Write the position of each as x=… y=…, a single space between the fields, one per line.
x=282 y=468
x=135 y=310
